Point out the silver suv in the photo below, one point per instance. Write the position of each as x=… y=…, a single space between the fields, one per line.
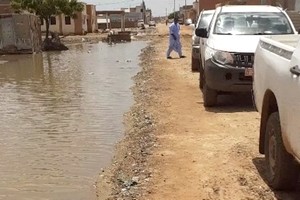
x=203 y=21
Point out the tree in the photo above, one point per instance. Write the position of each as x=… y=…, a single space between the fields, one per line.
x=171 y=16
x=47 y=8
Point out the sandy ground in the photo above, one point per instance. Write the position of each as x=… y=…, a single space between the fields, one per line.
x=175 y=148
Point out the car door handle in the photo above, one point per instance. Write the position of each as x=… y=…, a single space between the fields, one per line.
x=295 y=70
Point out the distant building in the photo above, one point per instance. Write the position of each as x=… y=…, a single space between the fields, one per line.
x=187 y=12
x=196 y=7
x=83 y=23
x=132 y=16
x=297 y=5
x=5 y=7
x=148 y=16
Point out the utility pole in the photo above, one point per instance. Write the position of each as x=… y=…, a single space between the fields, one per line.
x=184 y=12
x=174 y=8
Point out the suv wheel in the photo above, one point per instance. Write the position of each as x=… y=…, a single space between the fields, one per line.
x=282 y=169
x=210 y=96
x=201 y=77
x=195 y=65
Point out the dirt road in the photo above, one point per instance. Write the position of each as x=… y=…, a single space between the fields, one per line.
x=195 y=153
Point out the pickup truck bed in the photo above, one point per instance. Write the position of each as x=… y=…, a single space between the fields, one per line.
x=276 y=89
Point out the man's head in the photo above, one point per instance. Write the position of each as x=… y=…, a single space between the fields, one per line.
x=176 y=20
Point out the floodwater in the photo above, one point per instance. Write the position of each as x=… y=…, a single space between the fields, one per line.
x=61 y=115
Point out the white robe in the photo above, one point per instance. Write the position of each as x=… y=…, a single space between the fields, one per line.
x=174 y=45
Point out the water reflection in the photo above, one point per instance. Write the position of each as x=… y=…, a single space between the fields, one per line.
x=61 y=116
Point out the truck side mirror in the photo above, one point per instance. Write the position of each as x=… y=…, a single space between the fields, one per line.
x=201 y=32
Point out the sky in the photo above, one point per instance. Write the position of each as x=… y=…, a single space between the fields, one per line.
x=158 y=7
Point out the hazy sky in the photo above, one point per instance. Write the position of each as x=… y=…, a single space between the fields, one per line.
x=158 y=7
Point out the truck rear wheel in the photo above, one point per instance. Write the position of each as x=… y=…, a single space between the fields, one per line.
x=209 y=96
x=195 y=65
x=201 y=79
x=282 y=169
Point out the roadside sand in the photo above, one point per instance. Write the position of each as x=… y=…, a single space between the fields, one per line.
x=175 y=148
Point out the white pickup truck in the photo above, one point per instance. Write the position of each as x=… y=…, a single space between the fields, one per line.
x=232 y=38
x=276 y=87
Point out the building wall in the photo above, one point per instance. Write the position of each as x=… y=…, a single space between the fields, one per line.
x=52 y=27
x=128 y=24
x=5 y=7
x=67 y=29
x=84 y=20
x=78 y=26
x=297 y=6
x=92 y=19
x=196 y=7
x=19 y=33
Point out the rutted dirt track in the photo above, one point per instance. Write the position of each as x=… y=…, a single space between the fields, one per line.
x=195 y=153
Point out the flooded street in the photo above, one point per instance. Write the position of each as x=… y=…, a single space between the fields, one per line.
x=61 y=115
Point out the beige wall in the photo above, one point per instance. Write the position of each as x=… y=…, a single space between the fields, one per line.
x=67 y=28
x=78 y=25
x=53 y=28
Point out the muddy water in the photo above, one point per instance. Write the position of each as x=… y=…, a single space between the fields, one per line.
x=61 y=114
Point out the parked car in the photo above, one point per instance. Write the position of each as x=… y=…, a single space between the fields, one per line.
x=203 y=21
x=276 y=88
x=188 y=22
x=152 y=23
x=140 y=23
x=229 y=50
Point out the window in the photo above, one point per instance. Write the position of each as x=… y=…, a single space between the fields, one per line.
x=42 y=22
x=67 y=20
x=252 y=24
x=52 y=20
x=205 y=20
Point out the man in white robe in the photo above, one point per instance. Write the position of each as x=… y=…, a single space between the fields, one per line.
x=174 y=39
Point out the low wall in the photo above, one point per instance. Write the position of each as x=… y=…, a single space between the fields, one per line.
x=128 y=24
x=19 y=33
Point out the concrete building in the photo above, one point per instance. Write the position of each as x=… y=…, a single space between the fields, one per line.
x=140 y=9
x=19 y=33
x=196 y=7
x=92 y=25
x=188 y=12
x=84 y=22
x=5 y=7
x=148 y=16
x=297 y=5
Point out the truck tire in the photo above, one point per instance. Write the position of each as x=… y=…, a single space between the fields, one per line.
x=201 y=78
x=210 y=96
x=282 y=170
x=195 y=65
